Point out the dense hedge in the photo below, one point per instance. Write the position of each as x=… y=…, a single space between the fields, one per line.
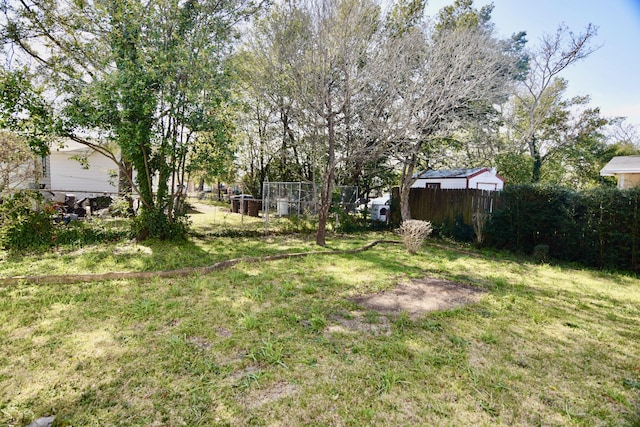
x=598 y=227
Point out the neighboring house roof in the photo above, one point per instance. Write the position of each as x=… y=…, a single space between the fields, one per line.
x=451 y=173
x=621 y=164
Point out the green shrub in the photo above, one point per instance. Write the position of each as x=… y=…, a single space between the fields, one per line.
x=462 y=232
x=353 y=222
x=26 y=221
x=300 y=224
x=80 y=233
x=611 y=228
x=530 y=215
x=541 y=253
x=121 y=207
x=155 y=224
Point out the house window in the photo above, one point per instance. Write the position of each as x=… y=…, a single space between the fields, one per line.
x=434 y=185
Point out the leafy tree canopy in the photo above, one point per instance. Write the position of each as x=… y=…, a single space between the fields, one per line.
x=148 y=74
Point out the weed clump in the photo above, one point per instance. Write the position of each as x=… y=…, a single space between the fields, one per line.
x=413 y=232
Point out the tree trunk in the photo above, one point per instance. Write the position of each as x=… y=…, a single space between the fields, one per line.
x=537 y=168
x=326 y=190
x=405 y=210
x=537 y=160
x=125 y=178
x=405 y=187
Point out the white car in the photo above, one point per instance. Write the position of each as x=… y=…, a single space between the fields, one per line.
x=242 y=196
x=380 y=208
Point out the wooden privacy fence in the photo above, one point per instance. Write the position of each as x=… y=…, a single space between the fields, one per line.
x=446 y=206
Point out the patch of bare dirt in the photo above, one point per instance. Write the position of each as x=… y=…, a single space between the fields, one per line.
x=357 y=321
x=420 y=296
x=270 y=394
x=199 y=342
x=223 y=332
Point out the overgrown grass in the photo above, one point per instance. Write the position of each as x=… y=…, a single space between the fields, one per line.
x=155 y=255
x=254 y=345
x=217 y=235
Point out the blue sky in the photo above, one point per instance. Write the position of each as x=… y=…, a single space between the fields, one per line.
x=611 y=75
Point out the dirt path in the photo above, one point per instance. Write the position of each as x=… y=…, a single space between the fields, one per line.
x=204 y=208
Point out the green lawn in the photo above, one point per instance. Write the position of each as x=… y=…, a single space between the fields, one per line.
x=258 y=344
x=206 y=248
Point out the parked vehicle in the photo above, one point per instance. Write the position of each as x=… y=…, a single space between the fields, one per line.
x=241 y=196
x=380 y=208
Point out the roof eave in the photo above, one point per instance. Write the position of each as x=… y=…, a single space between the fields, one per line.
x=612 y=172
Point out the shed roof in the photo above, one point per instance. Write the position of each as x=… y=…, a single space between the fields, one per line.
x=451 y=173
x=621 y=164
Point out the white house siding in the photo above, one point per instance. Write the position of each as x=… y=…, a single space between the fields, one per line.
x=68 y=175
x=445 y=183
x=486 y=181
x=23 y=176
x=29 y=175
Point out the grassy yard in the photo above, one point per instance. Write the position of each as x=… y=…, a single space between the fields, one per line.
x=281 y=343
x=205 y=249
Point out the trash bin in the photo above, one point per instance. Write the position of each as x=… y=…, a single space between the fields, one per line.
x=235 y=205
x=253 y=207
x=282 y=207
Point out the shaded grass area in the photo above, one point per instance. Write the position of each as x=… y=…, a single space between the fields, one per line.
x=201 y=250
x=253 y=345
x=159 y=255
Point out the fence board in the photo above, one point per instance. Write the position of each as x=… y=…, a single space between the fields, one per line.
x=444 y=207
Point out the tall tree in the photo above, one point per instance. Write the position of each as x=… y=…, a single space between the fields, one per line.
x=436 y=79
x=274 y=119
x=555 y=53
x=404 y=16
x=327 y=74
x=581 y=152
x=551 y=127
x=145 y=73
